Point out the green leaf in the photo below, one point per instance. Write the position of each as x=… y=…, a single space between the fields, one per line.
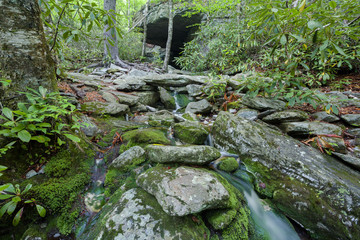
x=18 y=217
x=302 y=5
x=11 y=208
x=8 y=113
x=27 y=188
x=72 y=137
x=4 y=208
x=41 y=210
x=16 y=199
x=5 y=186
x=283 y=40
x=314 y=24
x=340 y=50
x=11 y=189
x=5 y=196
x=332 y=4
x=3 y=168
x=48 y=125
x=41 y=139
x=24 y=136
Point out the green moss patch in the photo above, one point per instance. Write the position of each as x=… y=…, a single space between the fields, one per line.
x=148 y=136
x=228 y=164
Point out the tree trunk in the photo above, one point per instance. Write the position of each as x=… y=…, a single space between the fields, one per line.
x=24 y=55
x=110 y=41
x=143 y=51
x=169 y=39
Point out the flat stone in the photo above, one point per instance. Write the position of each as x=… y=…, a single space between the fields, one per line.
x=325 y=117
x=352 y=119
x=131 y=83
x=107 y=96
x=182 y=154
x=202 y=106
x=148 y=97
x=132 y=156
x=355 y=132
x=310 y=128
x=194 y=90
x=248 y=113
x=173 y=80
x=351 y=160
x=286 y=116
x=89 y=127
x=126 y=98
x=99 y=108
x=263 y=104
x=182 y=191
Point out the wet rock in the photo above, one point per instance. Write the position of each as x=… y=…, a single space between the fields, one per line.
x=325 y=117
x=137 y=215
x=131 y=83
x=148 y=136
x=182 y=154
x=173 y=80
x=108 y=97
x=167 y=99
x=263 y=104
x=352 y=119
x=355 y=132
x=126 y=98
x=148 y=98
x=286 y=116
x=202 y=106
x=247 y=113
x=190 y=132
x=139 y=108
x=312 y=188
x=310 y=128
x=184 y=190
x=194 y=90
x=220 y=218
x=228 y=164
x=131 y=157
x=351 y=160
x=88 y=126
x=100 y=108
x=161 y=118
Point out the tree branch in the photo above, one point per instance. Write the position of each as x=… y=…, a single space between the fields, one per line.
x=57 y=27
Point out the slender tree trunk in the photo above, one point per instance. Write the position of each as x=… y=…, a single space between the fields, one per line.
x=169 y=39
x=24 y=55
x=143 y=51
x=128 y=12
x=110 y=41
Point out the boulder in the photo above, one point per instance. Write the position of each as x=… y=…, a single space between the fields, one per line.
x=352 y=119
x=248 y=113
x=167 y=99
x=131 y=157
x=182 y=154
x=146 y=136
x=126 y=98
x=191 y=132
x=182 y=191
x=355 y=132
x=286 y=116
x=304 y=129
x=160 y=118
x=325 y=117
x=194 y=90
x=263 y=104
x=228 y=164
x=100 y=108
x=131 y=83
x=173 y=80
x=312 y=188
x=88 y=126
x=351 y=160
x=148 y=97
x=202 y=106
x=137 y=215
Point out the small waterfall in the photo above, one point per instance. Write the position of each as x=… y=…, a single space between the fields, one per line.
x=177 y=105
x=267 y=223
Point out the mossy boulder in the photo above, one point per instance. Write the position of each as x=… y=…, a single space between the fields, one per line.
x=108 y=108
x=220 y=218
x=228 y=164
x=146 y=136
x=131 y=157
x=185 y=190
x=190 y=132
x=195 y=154
x=312 y=188
x=137 y=215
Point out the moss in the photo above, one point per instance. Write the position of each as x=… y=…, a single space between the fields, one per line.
x=228 y=164
x=239 y=227
x=66 y=221
x=190 y=132
x=59 y=165
x=148 y=136
x=113 y=180
x=34 y=232
x=220 y=218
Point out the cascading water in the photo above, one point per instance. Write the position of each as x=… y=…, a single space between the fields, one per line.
x=267 y=223
x=177 y=105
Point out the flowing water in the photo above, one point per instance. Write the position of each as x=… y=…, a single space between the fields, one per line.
x=267 y=223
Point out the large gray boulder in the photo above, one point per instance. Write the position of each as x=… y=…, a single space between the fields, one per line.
x=310 y=128
x=100 y=108
x=316 y=190
x=173 y=80
x=191 y=132
x=182 y=154
x=137 y=215
x=263 y=104
x=352 y=119
x=182 y=191
x=202 y=106
x=167 y=99
x=286 y=116
x=130 y=157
